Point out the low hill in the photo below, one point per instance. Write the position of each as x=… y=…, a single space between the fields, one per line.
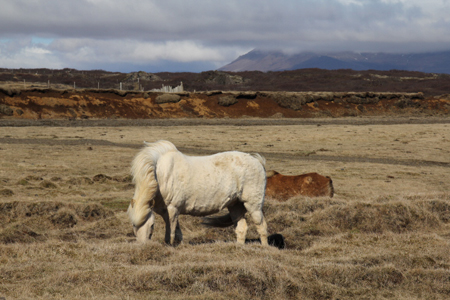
x=302 y=80
x=257 y=60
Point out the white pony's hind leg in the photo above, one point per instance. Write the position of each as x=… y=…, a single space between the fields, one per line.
x=237 y=213
x=241 y=231
x=261 y=226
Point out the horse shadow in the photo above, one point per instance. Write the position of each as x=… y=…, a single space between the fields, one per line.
x=275 y=240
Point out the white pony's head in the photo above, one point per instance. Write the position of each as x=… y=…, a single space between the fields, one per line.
x=144 y=232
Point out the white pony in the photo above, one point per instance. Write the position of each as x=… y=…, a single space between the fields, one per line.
x=170 y=183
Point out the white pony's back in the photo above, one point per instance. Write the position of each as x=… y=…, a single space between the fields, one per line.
x=203 y=185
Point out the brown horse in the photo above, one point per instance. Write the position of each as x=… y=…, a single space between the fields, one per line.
x=282 y=187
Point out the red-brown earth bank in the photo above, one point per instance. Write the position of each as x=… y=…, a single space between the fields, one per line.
x=106 y=104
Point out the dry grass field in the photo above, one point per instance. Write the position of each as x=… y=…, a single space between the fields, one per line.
x=64 y=233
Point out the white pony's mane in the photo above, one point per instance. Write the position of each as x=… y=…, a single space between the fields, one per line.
x=144 y=162
x=143 y=172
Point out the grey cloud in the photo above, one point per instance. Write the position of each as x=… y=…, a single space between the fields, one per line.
x=174 y=19
x=211 y=31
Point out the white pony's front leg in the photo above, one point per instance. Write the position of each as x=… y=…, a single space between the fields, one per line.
x=174 y=227
x=167 y=221
x=178 y=233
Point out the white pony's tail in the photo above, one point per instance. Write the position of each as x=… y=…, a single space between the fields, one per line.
x=143 y=172
x=261 y=159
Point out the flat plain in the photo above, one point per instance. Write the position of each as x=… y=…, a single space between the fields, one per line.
x=384 y=235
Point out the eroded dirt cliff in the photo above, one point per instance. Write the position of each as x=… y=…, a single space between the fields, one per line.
x=110 y=104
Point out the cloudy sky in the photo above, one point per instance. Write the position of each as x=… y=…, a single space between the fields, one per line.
x=200 y=35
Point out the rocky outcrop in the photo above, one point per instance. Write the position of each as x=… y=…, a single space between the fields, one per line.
x=167 y=98
x=141 y=75
x=6 y=110
x=223 y=78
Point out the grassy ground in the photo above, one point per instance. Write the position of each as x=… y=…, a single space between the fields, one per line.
x=385 y=235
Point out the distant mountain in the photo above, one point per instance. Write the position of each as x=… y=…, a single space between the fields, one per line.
x=257 y=60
